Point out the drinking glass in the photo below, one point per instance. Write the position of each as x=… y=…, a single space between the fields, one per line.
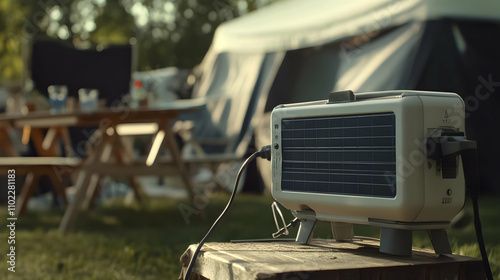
x=58 y=94
x=88 y=98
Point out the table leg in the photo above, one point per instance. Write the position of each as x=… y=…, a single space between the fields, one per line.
x=84 y=181
x=66 y=139
x=57 y=184
x=135 y=188
x=92 y=193
x=103 y=152
x=122 y=157
x=25 y=139
x=176 y=157
x=47 y=150
x=6 y=143
x=155 y=147
x=50 y=139
x=29 y=187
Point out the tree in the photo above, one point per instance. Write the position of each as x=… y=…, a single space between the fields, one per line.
x=167 y=32
x=13 y=26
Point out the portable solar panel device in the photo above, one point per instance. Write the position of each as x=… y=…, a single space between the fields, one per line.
x=389 y=159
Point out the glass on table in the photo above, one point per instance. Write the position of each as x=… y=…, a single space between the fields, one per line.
x=58 y=94
x=88 y=99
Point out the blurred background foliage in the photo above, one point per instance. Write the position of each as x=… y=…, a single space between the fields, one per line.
x=166 y=32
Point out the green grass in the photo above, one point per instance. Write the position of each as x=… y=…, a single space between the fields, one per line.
x=119 y=242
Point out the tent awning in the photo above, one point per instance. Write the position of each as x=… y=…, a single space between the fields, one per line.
x=294 y=24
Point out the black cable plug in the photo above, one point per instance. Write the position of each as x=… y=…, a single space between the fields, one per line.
x=265 y=152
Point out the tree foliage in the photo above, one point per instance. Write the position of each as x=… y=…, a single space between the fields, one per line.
x=166 y=32
x=12 y=20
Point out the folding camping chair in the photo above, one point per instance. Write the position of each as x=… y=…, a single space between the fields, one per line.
x=223 y=131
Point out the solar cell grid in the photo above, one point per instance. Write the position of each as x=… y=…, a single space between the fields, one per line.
x=351 y=154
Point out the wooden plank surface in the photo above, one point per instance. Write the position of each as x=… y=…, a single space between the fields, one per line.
x=103 y=116
x=38 y=161
x=324 y=259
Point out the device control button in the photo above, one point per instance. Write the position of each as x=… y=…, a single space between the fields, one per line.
x=449 y=192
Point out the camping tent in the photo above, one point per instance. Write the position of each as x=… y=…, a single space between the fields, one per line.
x=367 y=45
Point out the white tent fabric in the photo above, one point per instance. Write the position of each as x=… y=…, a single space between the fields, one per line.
x=233 y=98
x=362 y=45
x=232 y=90
x=388 y=56
x=295 y=24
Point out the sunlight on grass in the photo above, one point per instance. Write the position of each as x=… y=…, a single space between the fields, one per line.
x=116 y=241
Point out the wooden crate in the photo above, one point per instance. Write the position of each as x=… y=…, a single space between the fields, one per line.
x=324 y=259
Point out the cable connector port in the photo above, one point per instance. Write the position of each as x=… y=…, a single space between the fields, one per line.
x=444 y=145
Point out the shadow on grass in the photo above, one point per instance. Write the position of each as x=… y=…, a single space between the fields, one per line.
x=250 y=214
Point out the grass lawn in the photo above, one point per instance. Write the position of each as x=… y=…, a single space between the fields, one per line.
x=119 y=242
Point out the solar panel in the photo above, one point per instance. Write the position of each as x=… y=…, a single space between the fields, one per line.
x=349 y=154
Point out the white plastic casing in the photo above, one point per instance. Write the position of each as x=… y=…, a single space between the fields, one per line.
x=422 y=195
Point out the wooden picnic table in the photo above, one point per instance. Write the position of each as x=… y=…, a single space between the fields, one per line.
x=324 y=259
x=108 y=152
